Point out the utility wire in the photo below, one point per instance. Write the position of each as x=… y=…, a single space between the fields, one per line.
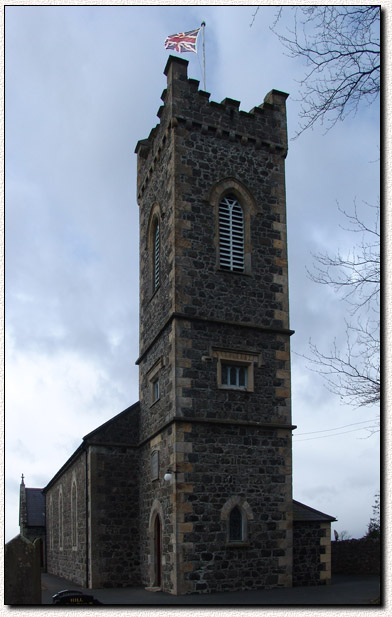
x=335 y=434
x=335 y=429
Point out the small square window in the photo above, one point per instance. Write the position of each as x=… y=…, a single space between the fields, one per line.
x=235 y=376
x=235 y=369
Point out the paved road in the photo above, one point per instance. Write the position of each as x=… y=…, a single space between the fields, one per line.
x=344 y=590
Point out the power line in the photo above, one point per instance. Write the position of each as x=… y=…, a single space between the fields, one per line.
x=336 y=434
x=337 y=428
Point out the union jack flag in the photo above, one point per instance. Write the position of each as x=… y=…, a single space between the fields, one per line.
x=184 y=41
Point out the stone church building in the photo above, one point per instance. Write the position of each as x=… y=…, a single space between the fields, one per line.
x=189 y=490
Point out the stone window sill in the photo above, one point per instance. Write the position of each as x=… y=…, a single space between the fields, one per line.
x=237 y=544
x=236 y=388
x=235 y=272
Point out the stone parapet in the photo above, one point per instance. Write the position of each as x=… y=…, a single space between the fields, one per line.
x=188 y=107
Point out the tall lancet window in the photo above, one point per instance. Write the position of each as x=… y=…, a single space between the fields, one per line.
x=156 y=256
x=236 y=528
x=61 y=520
x=51 y=524
x=231 y=234
x=74 y=515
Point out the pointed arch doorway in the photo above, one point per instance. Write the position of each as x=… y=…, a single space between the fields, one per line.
x=157 y=551
x=155 y=532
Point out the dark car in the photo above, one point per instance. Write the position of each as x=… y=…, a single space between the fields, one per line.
x=70 y=596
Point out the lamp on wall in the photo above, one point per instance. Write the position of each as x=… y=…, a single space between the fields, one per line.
x=169 y=474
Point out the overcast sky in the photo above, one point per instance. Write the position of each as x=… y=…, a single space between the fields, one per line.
x=83 y=85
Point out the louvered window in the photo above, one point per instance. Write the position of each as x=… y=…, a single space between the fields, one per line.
x=231 y=234
x=156 y=264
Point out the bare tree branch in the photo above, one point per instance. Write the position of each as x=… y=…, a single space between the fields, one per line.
x=357 y=274
x=355 y=373
x=341 y=47
x=254 y=16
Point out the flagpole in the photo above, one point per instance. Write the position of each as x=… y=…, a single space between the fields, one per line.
x=203 y=25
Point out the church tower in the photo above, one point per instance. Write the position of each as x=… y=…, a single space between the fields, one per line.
x=215 y=420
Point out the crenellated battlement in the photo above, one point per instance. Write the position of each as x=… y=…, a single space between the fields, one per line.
x=187 y=107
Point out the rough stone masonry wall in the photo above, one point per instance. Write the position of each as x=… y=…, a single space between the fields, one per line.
x=198 y=394
x=227 y=462
x=188 y=382
x=67 y=561
x=156 y=497
x=260 y=294
x=311 y=553
x=114 y=531
x=156 y=414
x=156 y=306
x=213 y=464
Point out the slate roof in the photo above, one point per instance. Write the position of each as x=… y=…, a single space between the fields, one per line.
x=305 y=513
x=35 y=501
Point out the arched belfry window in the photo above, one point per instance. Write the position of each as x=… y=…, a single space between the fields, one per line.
x=231 y=234
x=235 y=208
x=156 y=254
